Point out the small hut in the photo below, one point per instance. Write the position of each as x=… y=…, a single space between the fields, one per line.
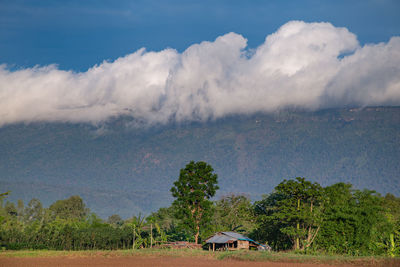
x=230 y=241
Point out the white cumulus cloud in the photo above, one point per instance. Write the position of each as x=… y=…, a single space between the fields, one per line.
x=305 y=65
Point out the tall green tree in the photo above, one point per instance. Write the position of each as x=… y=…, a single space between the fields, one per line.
x=11 y=209
x=167 y=221
x=338 y=229
x=392 y=205
x=372 y=224
x=115 y=220
x=70 y=208
x=354 y=222
x=234 y=213
x=34 y=211
x=268 y=227
x=298 y=208
x=192 y=192
x=20 y=209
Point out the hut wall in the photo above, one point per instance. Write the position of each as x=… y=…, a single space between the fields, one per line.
x=243 y=244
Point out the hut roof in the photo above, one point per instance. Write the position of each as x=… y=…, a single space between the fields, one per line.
x=226 y=237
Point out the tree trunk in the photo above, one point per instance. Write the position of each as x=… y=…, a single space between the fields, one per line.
x=151 y=235
x=311 y=235
x=312 y=239
x=197 y=221
x=196 y=236
x=298 y=226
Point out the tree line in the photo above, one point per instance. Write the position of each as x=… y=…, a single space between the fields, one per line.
x=298 y=215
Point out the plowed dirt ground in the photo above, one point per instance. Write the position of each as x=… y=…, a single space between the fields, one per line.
x=146 y=262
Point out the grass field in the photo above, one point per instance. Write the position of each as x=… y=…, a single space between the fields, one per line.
x=250 y=256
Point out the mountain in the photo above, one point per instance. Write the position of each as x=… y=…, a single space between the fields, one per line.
x=120 y=168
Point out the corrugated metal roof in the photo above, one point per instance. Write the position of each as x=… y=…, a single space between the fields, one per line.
x=237 y=236
x=220 y=239
x=224 y=237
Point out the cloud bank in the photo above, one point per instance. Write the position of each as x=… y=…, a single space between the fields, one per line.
x=302 y=65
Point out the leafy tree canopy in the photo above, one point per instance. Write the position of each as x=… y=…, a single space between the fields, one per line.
x=196 y=185
x=70 y=208
x=234 y=213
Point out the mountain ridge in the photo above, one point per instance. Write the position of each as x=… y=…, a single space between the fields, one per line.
x=120 y=169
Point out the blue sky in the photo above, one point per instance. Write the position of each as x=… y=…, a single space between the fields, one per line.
x=81 y=61
x=79 y=34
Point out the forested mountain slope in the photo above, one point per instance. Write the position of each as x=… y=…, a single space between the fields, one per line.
x=117 y=168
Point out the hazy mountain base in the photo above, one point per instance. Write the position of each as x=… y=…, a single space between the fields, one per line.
x=121 y=169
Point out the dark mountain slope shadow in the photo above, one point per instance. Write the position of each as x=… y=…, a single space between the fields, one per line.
x=125 y=170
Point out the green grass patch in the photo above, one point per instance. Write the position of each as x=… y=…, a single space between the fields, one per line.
x=108 y=253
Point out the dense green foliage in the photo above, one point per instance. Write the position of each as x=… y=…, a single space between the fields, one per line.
x=233 y=213
x=68 y=225
x=297 y=210
x=334 y=219
x=192 y=192
x=298 y=214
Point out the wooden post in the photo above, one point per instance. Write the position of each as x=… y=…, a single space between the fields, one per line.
x=213 y=246
x=151 y=235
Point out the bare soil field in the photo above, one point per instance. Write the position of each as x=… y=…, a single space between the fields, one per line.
x=146 y=262
x=189 y=257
